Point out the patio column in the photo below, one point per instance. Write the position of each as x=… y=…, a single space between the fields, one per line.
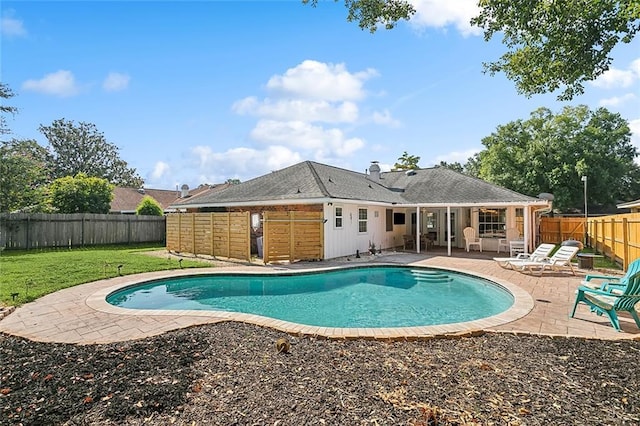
x=527 y=229
x=418 y=229
x=448 y=230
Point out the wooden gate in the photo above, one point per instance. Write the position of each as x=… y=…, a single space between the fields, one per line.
x=293 y=235
x=214 y=234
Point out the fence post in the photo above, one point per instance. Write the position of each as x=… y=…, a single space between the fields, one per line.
x=625 y=244
x=613 y=239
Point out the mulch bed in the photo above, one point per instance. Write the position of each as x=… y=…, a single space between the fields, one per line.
x=231 y=373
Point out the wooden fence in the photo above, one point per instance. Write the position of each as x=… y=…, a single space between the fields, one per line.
x=616 y=236
x=214 y=234
x=555 y=230
x=39 y=230
x=293 y=235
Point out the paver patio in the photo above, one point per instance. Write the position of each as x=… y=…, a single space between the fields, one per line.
x=80 y=315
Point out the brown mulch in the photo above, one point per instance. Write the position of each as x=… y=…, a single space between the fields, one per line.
x=230 y=373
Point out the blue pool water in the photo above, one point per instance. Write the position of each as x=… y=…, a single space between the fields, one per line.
x=358 y=297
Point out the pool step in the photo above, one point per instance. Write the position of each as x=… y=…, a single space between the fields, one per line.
x=431 y=276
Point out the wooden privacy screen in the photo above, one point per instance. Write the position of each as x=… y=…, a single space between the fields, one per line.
x=293 y=235
x=558 y=229
x=214 y=234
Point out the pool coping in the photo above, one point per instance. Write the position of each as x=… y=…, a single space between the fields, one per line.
x=522 y=305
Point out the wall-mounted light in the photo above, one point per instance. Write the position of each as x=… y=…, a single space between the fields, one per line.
x=329 y=203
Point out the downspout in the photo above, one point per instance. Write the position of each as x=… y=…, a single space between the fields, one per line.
x=541 y=211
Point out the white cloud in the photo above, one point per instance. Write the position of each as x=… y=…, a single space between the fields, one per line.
x=385 y=118
x=443 y=13
x=60 y=83
x=115 y=82
x=617 y=100
x=11 y=27
x=298 y=109
x=456 y=156
x=160 y=170
x=615 y=77
x=318 y=80
x=325 y=143
x=246 y=163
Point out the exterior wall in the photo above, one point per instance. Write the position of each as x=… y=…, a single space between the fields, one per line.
x=347 y=240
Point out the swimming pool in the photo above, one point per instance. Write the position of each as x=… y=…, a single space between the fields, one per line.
x=361 y=297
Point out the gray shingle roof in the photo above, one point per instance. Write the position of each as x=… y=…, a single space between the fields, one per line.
x=309 y=180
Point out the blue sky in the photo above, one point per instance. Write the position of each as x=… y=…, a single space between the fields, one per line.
x=200 y=92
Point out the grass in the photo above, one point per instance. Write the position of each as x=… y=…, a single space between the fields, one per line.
x=601 y=262
x=27 y=275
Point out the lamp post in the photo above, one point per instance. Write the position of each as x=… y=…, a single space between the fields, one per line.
x=586 y=234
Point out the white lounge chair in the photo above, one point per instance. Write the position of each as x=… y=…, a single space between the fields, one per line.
x=560 y=259
x=541 y=252
x=470 y=238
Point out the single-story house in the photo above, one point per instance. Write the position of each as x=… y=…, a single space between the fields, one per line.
x=126 y=200
x=633 y=206
x=432 y=205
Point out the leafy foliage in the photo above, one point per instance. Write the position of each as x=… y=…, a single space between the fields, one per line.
x=407 y=162
x=370 y=14
x=5 y=93
x=453 y=166
x=149 y=206
x=23 y=173
x=557 y=44
x=82 y=148
x=550 y=153
x=81 y=194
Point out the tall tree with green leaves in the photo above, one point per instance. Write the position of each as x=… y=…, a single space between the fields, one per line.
x=557 y=44
x=149 y=207
x=552 y=44
x=81 y=148
x=23 y=175
x=81 y=194
x=5 y=93
x=407 y=162
x=551 y=152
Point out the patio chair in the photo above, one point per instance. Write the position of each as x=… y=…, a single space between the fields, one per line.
x=408 y=242
x=611 y=282
x=541 y=252
x=510 y=235
x=606 y=302
x=470 y=238
x=560 y=259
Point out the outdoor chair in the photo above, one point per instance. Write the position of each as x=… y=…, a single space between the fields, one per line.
x=408 y=242
x=470 y=239
x=541 y=252
x=560 y=259
x=609 y=302
x=510 y=235
x=611 y=282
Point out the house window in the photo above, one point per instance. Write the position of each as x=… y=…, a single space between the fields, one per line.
x=362 y=220
x=492 y=221
x=389 y=219
x=338 y=217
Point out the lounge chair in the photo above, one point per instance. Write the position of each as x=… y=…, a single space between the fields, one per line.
x=470 y=238
x=610 y=302
x=610 y=282
x=560 y=259
x=541 y=252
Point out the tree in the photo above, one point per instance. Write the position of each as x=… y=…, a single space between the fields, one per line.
x=453 y=166
x=407 y=162
x=232 y=181
x=82 y=148
x=553 y=44
x=5 y=93
x=372 y=13
x=81 y=194
x=149 y=206
x=557 y=44
x=23 y=175
x=550 y=153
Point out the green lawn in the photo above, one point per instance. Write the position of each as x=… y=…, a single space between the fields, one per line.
x=33 y=274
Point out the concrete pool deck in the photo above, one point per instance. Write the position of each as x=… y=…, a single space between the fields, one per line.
x=543 y=304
